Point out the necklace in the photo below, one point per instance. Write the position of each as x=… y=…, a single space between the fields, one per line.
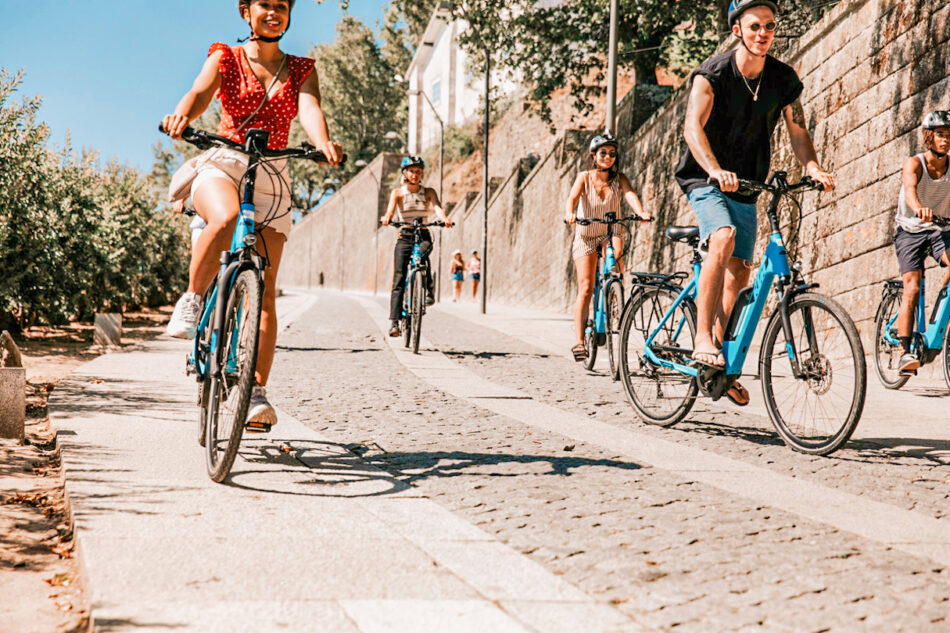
x=755 y=93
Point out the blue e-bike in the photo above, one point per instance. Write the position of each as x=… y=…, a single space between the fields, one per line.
x=811 y=361
x=224 y=357
x=928 y=337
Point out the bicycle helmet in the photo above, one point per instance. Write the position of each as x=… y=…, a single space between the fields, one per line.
x=738 y=7
x=603 y=140
x=412 y=161
x=938 y=118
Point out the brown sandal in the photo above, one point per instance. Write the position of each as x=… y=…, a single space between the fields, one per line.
x=738 y=394
x=580 y=352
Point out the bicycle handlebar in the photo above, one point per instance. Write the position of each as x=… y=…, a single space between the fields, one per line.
x=420 y=225
x=941 y=221
x=629 y=218
x=207 y=140
x=753 y=186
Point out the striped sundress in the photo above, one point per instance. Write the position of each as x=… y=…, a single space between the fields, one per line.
x=588 y=239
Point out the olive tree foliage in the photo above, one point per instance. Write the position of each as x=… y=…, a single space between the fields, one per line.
x=360 y=97
x=75 y=238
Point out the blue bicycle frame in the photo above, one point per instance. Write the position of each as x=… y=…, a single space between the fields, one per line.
x=932 y=333
x=599 y=298
x=415 y=263
x=750 y=303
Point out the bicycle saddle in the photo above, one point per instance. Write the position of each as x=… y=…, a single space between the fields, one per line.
x=683 y=233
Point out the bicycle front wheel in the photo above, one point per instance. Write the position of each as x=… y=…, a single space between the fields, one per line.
x=614 y=313
x=231 y=390
x=407 y=311
x=660 y=396
x=418 y=305
x=886 y=354
x=817 y=412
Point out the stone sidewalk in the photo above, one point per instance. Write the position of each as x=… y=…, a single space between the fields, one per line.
x=304 y=537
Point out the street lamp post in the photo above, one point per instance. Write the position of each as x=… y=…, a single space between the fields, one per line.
x=611 y=123
x=414 y=93
x=485 y=179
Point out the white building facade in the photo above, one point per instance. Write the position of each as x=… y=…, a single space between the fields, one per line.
x=441 y=71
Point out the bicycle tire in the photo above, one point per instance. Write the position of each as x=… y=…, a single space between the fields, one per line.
x=204 y=384
x=845 y=351
x=418 y=307
x=945 y=355
x=675 y=393
x=407 y=310
x=232 y=389
x=590 y=333
x=886 y=355
x=614 y=309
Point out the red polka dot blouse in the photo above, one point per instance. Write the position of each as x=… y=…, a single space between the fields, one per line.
x=241 y=92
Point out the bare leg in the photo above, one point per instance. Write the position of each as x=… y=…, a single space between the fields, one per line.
x=474 y=289
x=216 y=200
x=905 y=318
x=274 y=245
x=586 y=267
x=735 y=279
x=710 y=293
x=618 y=249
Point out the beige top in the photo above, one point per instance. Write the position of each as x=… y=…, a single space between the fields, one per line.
x=414 y=205
x=593 y=207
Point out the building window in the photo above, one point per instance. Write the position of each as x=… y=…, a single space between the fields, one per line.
x=436 y=90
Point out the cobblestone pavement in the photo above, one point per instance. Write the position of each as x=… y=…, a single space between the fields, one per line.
x=675 y=554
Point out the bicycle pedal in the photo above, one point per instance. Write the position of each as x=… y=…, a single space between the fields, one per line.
x=909 y=372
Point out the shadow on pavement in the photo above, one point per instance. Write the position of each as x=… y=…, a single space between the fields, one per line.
x=336 y=470
x=96 y=397
x=490 y=355
x=346 y=350
x=125 y=624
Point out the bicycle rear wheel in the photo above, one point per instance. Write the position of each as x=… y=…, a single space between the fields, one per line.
x=886 y=354
x=614 y=313
x=231 y=390
x=418 y=306
x=660 y=396
x=818 y=412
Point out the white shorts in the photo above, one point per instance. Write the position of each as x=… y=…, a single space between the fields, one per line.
x=271 y=191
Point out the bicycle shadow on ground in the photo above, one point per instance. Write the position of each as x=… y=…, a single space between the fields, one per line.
x=897 y=451
x=345 y=350
x=465 y=353
x=329 y=469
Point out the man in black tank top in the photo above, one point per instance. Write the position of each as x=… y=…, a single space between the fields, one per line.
x=735 y=102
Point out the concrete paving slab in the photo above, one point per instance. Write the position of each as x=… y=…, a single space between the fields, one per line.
x=417 y=616
x=905 y=530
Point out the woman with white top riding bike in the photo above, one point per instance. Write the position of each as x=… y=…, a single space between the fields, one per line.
x=237 y=76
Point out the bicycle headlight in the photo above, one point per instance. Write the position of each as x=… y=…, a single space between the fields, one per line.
x=250 y=240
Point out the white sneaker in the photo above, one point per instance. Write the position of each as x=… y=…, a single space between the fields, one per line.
x=260 y=410
x=184 y=321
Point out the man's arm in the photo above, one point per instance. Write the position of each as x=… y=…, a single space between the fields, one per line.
x=802 y=144
x=910 y=176
x=698 y=109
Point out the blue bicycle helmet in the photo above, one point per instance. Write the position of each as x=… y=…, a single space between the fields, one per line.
x=603 y=140
x=412 y=161
x=938 y=118
x=738 y=7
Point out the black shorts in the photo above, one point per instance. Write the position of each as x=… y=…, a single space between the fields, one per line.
x=913 y=248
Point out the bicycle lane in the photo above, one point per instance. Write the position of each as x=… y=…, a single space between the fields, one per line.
x=306 y=538
x=875 y=533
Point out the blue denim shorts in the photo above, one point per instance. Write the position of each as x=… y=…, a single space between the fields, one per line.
x=715 y=210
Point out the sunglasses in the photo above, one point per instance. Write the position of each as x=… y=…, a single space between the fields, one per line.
x=768 y=28
x=606 y=154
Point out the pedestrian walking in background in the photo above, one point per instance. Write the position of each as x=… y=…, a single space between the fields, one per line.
x=458 y=274
x=475 y=272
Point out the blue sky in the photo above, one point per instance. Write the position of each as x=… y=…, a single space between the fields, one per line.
x=108 y=70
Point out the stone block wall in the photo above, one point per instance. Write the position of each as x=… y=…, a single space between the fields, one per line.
x=871 y=69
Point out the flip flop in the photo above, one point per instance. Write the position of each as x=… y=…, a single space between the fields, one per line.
x=716 y=354
x=580 y=352
x=738 y=394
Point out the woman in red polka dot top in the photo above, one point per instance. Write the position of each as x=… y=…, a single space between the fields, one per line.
x=240 y=76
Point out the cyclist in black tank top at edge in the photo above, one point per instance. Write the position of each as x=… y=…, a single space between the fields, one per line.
x=411 y=201
x=735 y=102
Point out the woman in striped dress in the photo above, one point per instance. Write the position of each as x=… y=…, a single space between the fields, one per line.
x=599 y=191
